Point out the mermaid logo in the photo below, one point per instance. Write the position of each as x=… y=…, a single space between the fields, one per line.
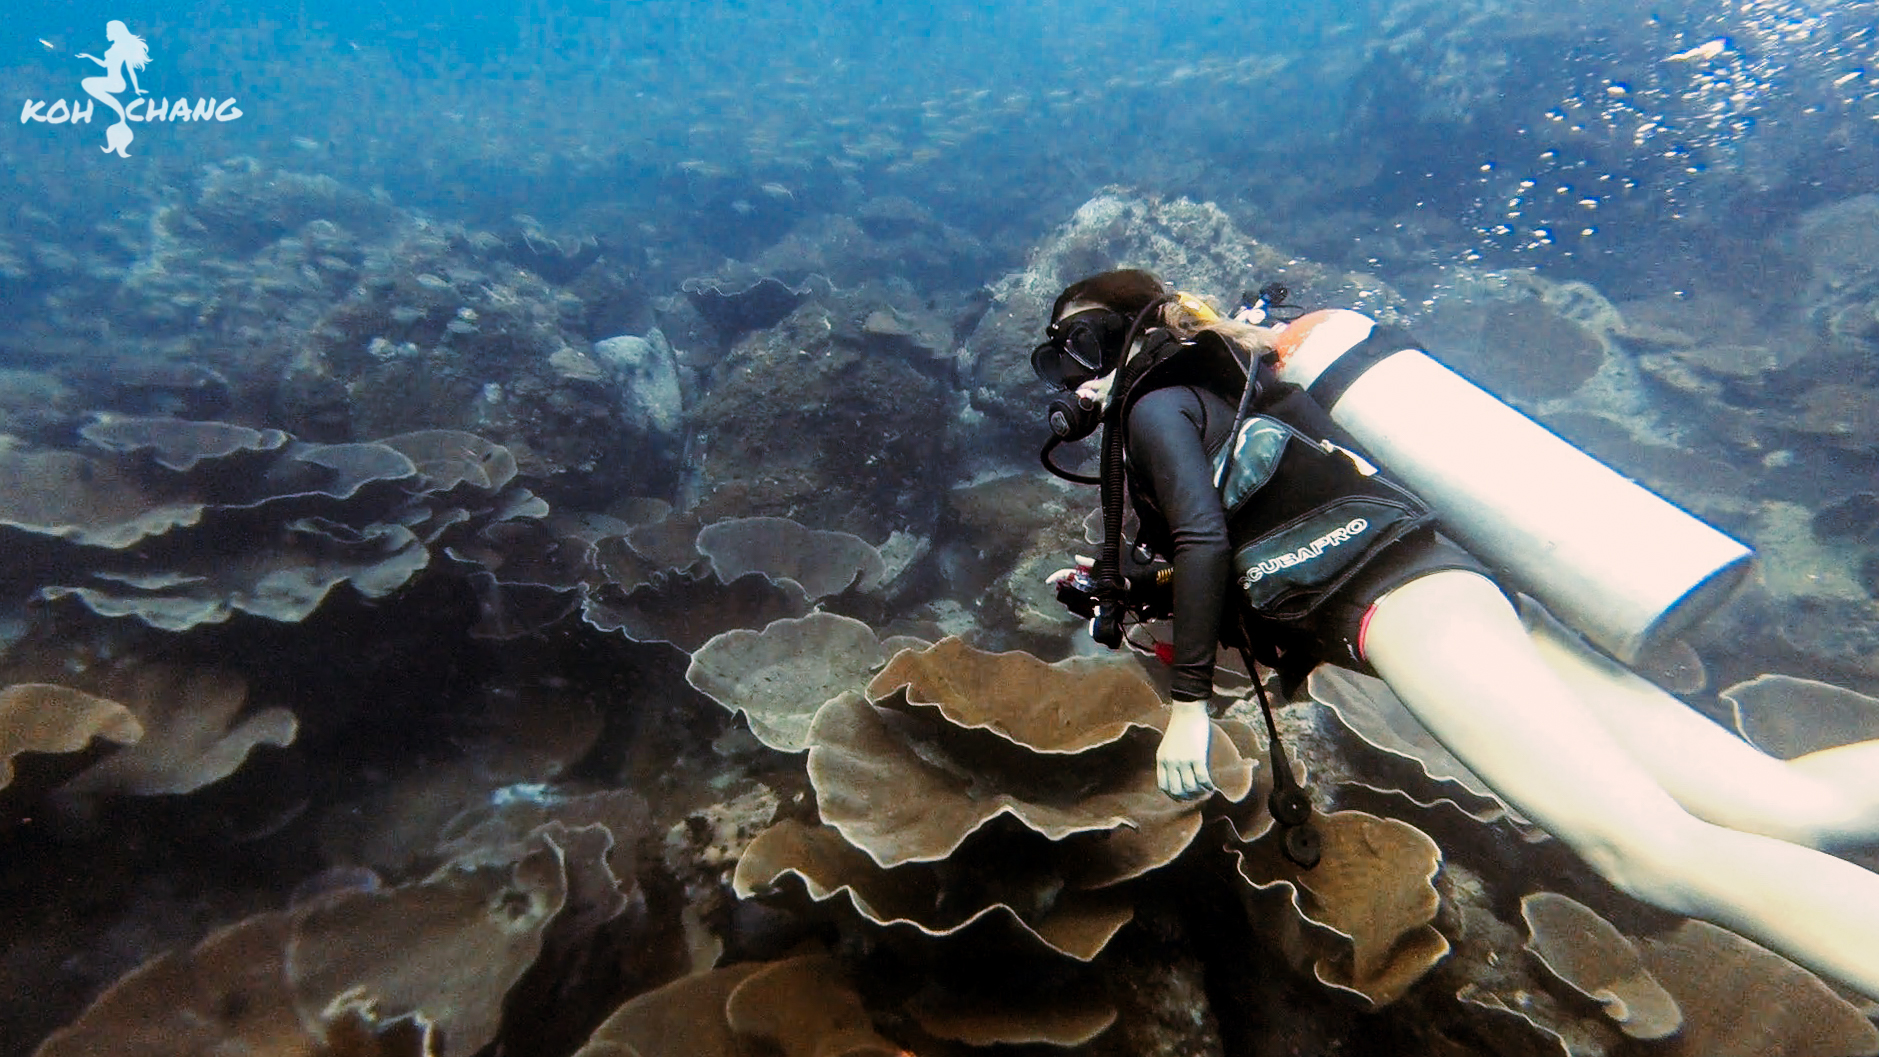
x=127 y=54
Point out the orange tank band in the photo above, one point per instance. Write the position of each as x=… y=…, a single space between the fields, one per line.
x=1296 y=332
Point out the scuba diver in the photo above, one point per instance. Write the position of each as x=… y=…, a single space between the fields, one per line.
x=1322 y=490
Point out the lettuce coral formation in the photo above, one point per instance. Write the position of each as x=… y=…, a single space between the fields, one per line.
x=965 y=805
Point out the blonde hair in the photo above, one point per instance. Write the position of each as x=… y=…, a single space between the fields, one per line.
x=1188 y=316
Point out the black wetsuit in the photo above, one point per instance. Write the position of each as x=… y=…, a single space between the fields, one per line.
x=1173 y=435
x=1174 y=431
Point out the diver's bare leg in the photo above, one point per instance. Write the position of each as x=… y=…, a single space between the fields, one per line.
x=1457 y=655
x=1852 y=771
x=1825 y=800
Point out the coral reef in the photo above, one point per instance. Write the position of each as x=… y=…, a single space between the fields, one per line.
x=1739 y=998
x=781 y=676
x=229 y=991
x=42 y=717
x=971 y=794
x=1031 y=525
x=444 y=951
x=885 y=237
x=1006 y=717
x=822 y=563
x=1519 y=338
x=132 y=524
x=1589 y=954
x=982 y=1020
x=1688 y=989
x=1788 y=717
x=801 y=1007
x=1024 y=901
x=436 y=337
x=192 y=734
x=663 y=579
x=266 y=294
x=688 y=609
x=751 y=301
x=1365 y=706
x=1373 y=891
x=492 y=769
x=1836 y=240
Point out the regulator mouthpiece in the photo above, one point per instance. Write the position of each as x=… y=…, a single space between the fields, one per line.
x=1071 y=419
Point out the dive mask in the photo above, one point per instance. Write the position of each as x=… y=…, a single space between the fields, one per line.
x=1079 y=348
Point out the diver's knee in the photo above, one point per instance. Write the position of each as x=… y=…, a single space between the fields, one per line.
x=1659 y=864
x=1829 y=821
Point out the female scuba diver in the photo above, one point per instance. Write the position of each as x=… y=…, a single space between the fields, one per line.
x=1293 y=544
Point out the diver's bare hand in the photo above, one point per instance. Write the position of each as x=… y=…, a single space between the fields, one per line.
x=1181 y=762
x=1095 y=392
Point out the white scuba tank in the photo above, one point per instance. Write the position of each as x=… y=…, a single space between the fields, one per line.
x=1622 y=565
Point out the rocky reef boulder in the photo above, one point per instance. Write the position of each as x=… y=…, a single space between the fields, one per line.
x=436 y=335
x=1192 y=245
x=645 y=376
x=1841 y=297
x=885 y=238
x=824 y=421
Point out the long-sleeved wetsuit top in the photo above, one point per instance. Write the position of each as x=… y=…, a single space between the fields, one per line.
x=1171 y=433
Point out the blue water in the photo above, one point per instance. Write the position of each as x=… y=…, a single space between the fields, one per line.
x=1570 y=142
x=1668 y=155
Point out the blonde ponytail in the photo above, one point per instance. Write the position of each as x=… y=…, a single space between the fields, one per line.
x=1188 y=315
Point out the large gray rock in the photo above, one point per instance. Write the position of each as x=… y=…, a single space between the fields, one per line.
x=1839 y=244
x=645 y=374
x=824 y=421
x=430 y=334
x=1191 y=245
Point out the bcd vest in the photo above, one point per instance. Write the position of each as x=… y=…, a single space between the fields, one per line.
x=1304 y=512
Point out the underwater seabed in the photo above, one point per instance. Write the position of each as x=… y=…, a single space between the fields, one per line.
x=429 y=639
x=690 y=777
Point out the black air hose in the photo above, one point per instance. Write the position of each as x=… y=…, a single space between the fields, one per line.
x=1114 y=472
